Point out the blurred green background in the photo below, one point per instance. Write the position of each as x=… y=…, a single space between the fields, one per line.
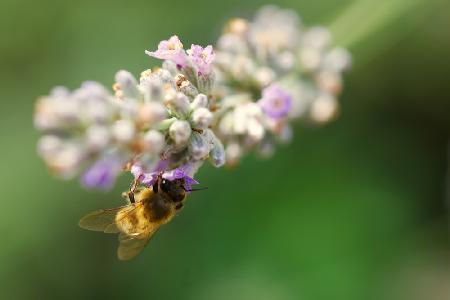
x=356 y=209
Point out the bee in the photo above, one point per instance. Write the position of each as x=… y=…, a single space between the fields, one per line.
x=137 y=222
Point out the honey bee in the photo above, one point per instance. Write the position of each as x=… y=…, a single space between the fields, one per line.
x=137 y=222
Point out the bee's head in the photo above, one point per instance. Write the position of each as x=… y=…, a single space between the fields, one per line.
x=174 y=188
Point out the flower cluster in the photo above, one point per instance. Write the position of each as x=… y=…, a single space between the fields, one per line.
x=162 y=119
x=200 y=105
x=271 y=71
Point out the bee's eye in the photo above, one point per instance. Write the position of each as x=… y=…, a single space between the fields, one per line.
x=165 y=185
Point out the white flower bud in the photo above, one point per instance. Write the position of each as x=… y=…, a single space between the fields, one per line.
x=202 y=117
x=265 y=76
x=151 y=88
x=152 y=112
x=226 y=125
x=127 y=84
x=96 y=111
x=60 y=91
x=330 y=82
x=240 y=120
x=205 y=82
x=154 y=141
x=217 y=153
x=66 y=161
x=56 y=113
x=170 y=66
x=123 y=131
x=165 y=76
x=317 y=37
x=48 y=145
x=180 y=131
x=310 y=58
x=233 y=152
x=97 y=137
x=201 y=100
x=337 y=60
x=185 y=86
x=178 y=103
x=128 y=109
x=324 y=108
x=198 y=146
x=286 y=60
x=255 y=130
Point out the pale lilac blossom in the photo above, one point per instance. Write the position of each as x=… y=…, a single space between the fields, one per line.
x=275 y=102
x=172 y=50
x=202 y=58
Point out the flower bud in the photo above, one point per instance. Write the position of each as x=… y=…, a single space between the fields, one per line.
x=310 y=58
x=123 y=131
x=165 y=76
x=330 y=82
x=96 y=111
x=232 y=153
x=151 y=88
x=324 y=108
x=265 y=76
x=97 y=137
x=185 y=86
x=202 y=117
x=338 y=59
x=317 y=37
x=153 y=141
x=198 y=146
x=201 y=100
x=48 y=145
x=66 y=161
x=127 y=84
x=206 y=82
x=151 y=113
x=255 y=130
x=178 y=103
x=180 y=131
x=237 y=26
x=217 y=153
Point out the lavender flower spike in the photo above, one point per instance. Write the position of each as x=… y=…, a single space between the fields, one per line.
x=171 y=49
x=275 y=102
x=202 y=58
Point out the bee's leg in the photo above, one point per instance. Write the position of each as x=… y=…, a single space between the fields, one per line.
x=134 y=185
x=130 y=194
x=131 y=197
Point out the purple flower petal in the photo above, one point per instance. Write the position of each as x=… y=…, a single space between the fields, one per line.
x=202 y=58
x=149 y=179
x=275 y=102
x=171 y=49
x=179 y=173
x=102 y=175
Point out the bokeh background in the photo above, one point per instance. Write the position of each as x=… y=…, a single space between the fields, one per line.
x=355 y=209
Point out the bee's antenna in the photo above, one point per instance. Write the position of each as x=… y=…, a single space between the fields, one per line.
x=196 y=190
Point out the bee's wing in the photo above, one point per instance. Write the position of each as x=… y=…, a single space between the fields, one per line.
x=131 y=245
x=102 y=220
